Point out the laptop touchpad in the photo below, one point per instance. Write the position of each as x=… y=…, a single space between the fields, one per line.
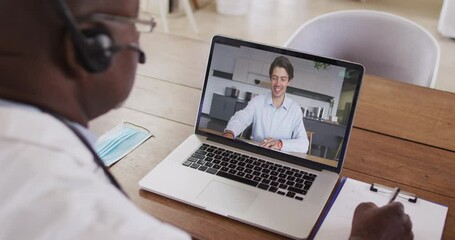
x=224 y=197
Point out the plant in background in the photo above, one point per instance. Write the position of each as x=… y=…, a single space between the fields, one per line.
x=321 y=66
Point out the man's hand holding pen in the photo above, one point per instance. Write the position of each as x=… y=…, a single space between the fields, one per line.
x=387 y=222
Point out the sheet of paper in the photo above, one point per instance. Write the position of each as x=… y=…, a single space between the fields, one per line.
x=428 y=218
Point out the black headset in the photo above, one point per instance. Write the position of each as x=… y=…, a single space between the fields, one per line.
x=95 y=47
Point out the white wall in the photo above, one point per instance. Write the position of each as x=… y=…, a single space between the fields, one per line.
x=218 y=85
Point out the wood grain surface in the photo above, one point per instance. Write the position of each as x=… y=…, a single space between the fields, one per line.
x=403 y=135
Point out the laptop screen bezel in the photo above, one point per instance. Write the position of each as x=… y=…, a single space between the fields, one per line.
x=218 y=39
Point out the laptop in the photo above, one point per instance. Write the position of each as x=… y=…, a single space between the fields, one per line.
x=280 y=189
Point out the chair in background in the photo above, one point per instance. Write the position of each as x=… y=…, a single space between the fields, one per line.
x=446 y=25
x=163 y=13
x=310 y=141
x=387 y=45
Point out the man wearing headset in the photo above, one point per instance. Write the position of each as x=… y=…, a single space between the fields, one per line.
x=63 y=63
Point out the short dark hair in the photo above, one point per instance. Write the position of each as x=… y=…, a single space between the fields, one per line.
x=284 y=63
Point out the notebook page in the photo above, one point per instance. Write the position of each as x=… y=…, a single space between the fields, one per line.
x=428 y=218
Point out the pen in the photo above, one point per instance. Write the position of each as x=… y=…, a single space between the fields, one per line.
x=394 y=195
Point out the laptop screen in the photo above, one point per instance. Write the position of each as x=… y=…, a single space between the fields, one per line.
x=279 y=100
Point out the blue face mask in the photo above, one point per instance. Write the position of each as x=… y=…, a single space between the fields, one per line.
x=119 y=141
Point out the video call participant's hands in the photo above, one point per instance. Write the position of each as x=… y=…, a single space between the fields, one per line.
x=388 y=222
x=272 y=143
x=228 y=134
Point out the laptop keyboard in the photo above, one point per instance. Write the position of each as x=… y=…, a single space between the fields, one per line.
x=268 y=176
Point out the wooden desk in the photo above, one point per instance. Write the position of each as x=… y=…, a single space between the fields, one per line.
x=403 y=136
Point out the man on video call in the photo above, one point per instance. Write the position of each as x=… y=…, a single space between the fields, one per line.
x=277 y=119
x=61 y=67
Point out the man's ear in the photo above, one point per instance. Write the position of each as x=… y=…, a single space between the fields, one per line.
x=70 y=57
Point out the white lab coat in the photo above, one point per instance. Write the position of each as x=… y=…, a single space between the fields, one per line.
x=50 y=187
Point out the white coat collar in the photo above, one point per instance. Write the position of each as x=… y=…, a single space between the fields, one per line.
x=35 y=127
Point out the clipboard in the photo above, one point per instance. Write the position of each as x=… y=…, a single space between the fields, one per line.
x=428 y=218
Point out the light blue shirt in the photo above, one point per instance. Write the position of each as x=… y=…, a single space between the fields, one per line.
x=284 y=123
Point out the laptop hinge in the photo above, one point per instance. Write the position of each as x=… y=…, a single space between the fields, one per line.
x=268 y=153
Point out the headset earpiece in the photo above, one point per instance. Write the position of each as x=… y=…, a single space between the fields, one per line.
x=94 y=47
x=94 y=51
